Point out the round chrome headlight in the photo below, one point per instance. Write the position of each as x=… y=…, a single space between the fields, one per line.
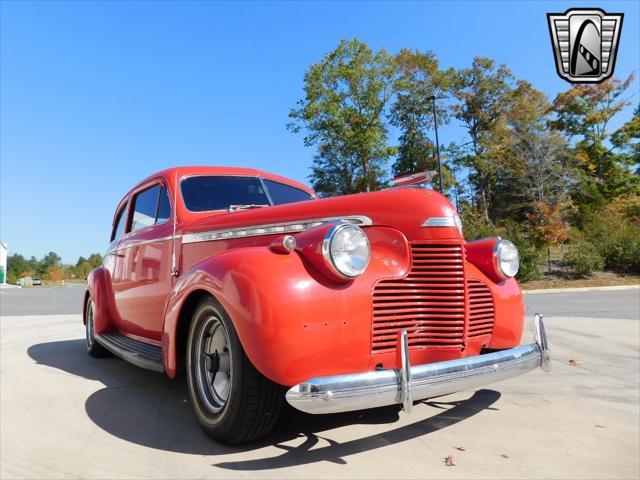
x=506 y=258
x=347 y=249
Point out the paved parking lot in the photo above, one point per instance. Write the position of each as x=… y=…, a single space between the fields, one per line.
x=64 y=414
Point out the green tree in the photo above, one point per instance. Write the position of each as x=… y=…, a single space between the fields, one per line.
x=346 y=95
x=481 y=92
x=50 y=260
x=17 y=266
x=627 y=140
x=584 y=112
x=95 y=260
x=418 y=80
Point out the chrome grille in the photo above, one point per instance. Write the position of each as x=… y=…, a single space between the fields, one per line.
x=429 y=303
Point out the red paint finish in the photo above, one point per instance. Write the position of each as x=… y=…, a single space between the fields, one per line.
x=295 y=318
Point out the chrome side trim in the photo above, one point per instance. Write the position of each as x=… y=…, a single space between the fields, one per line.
x=344 y=393
x=137 y=243
x=439 y=222
x=450 y=221
x=271 y=229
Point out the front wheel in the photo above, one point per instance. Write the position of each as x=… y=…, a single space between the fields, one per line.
x=233 y=402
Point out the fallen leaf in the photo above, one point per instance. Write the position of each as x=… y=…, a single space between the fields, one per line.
x=449 y=461
x=575 y=362
x=462 y=449
x=599 y=426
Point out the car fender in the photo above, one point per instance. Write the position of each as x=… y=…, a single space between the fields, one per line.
x=96 y=288
x=291 y=320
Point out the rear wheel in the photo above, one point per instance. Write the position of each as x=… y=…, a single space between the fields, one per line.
x=93 y=348
x=233 y=402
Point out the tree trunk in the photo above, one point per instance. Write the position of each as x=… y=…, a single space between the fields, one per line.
x=365 y=172
x=485 y=209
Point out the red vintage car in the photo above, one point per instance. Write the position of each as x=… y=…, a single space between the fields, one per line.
x=259 y=291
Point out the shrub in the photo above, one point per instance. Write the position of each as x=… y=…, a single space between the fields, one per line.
x=531 y=259
x=616 y=238
x=584 y=258
x=475 y=226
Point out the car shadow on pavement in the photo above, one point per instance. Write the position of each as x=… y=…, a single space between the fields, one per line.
x=149 y=409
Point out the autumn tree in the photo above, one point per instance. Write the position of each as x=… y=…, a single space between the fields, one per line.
x=481 y=94
x=342 y=114
x=532 y=164
x=547 y=226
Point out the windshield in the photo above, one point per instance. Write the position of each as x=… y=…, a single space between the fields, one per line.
x=206 y=193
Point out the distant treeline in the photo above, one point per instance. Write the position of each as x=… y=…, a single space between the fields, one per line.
x=50 y=267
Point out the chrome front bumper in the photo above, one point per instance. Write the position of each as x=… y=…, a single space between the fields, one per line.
x=358 y=391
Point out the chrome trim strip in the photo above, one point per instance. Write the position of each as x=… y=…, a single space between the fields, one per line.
x=344 y=393
x=271 y=229
x=450 y=221
x=439 y=222
x=137 y=243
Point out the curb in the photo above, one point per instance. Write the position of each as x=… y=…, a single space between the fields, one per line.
x=581 y=289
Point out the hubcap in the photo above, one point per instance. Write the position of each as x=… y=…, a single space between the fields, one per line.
x=213 y=366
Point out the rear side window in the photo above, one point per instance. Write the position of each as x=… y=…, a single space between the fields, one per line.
x=151 y=206
x=281 y=193
x=164 y=206
x=118 y=227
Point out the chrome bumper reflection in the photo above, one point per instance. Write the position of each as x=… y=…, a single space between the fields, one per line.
x=343 y=393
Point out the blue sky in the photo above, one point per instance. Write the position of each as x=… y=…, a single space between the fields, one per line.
x=96 y=96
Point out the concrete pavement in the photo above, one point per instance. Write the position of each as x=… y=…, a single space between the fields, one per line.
x=64 y=414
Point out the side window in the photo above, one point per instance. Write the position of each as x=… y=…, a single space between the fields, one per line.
x=281 y=193
x=164 y=206
x=151 y=206
x=118 y=227
x=145 y=205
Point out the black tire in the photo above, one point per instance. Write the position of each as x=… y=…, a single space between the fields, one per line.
x=93 y=347
x=253 y=402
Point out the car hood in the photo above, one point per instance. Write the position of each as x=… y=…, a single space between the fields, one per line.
x=406 y=209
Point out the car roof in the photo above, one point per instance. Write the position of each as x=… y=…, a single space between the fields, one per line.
x=170 y=174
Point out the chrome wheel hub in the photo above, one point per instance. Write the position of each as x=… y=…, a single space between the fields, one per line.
x=213 y=367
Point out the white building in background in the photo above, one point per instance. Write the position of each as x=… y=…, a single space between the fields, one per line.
x=3 y=262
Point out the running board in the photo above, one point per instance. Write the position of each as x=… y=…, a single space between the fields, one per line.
x=139 y=353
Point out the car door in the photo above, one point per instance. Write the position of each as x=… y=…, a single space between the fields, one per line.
x=147 y=249
x=114 y=260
